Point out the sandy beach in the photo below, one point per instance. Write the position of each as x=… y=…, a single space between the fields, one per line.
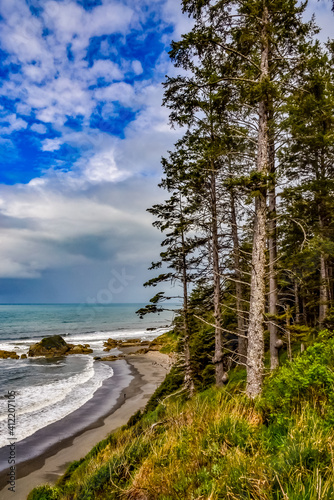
x=145 y=372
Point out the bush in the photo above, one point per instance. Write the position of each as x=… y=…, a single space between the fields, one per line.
x=45 y=492
x=308 y=378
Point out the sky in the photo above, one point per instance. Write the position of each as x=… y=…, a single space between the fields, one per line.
x=82 y=132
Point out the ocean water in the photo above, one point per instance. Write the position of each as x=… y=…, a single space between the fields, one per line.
x=47 y=390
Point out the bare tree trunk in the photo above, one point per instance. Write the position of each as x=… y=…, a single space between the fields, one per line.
x=188 y=378
x=298 y=316
x=323 y=305
x=242 y=342
x=297 y=307
x=272 y=244
x=255 y=351
x=218 y=357
x=330 y=284
x=324 y=289
x=287 y=319
x=304 y=310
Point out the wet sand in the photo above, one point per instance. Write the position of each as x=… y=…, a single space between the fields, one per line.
x=44 y=456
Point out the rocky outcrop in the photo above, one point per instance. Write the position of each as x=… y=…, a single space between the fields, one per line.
x=56 y=346
x=49 y=347
x=108 y=358
x=8 y=355
x=112 y=344
x=79 y=349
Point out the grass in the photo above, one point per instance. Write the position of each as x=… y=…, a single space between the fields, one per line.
x=220 y=445
x=167 y=342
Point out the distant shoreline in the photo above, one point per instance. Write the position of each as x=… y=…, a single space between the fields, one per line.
x=147 y=371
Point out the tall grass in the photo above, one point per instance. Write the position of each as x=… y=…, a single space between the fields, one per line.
x=219 y=445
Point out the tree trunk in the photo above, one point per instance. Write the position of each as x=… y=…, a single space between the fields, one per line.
x=255 y=351
x=287 y=319
x=242 y=342
x=297 y=307
x=330 y=284
x=323 y=306
x=188 y=378
x=272 y=244
x=304 y=310
x=218 y=357
x=324 y=289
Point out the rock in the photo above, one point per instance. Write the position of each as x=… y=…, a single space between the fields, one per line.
x=106 y=358
x=79 y=349
x=55 y=346
x=150 y=329
x=110 y=344
x=141 y=351
x=154 y=346
x=129 y=344
x=49 y=347
x=8 y=354
x=23 y=356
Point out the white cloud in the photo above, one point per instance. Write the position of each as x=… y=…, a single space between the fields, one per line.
x=39 y=128
x=51 y=144
x=53 y=229
x=137 y=67
x=122 y=92
x=15 y=124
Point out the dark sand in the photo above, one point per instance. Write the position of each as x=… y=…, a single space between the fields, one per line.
x=44 y=456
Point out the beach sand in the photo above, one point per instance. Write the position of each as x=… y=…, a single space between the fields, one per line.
x=148 y=371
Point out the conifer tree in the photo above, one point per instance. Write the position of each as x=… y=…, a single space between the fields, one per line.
x=252 y=35
x=310 y=158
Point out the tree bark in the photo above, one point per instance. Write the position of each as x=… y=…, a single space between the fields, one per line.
x=323 y=305
x=287 y=319
x=255 y=351
x=188 y=378
x=297 y=306
x=218 y=357
x=324 y=288
x=272 y=244
x=242 y=342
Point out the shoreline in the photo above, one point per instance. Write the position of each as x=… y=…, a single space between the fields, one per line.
x=147 y=372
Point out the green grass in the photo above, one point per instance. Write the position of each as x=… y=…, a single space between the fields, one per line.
x=167 y=342
x=220 y=445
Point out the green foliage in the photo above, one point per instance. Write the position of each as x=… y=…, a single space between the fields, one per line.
x=309 y=378
x=44 y=493
x=167 y=342
x=74 y=465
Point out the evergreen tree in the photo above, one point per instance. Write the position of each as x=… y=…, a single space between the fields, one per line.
x=309 y=162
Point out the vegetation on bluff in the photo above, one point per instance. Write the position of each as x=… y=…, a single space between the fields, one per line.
x=220 y=444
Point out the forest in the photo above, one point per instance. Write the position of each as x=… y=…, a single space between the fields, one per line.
x=248 y=222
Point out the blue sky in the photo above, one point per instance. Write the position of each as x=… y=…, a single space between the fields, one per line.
x=82 y=132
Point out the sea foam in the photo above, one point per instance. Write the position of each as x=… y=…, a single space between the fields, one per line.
x=41 y=405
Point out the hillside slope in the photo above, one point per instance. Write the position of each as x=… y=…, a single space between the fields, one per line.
x=220 y=445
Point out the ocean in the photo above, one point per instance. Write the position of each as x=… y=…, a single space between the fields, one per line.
x=47 y=390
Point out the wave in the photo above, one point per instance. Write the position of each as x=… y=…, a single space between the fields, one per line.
x=39 y=406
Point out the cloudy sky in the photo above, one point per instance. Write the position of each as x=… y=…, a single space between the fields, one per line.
x=82 y=132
